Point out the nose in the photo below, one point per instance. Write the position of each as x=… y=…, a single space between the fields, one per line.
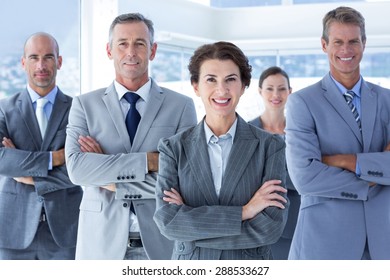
x=131 y=51
x=41 y=64
x=222 y=88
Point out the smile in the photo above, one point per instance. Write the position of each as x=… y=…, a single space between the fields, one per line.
x=221 y=101
x=346 y=58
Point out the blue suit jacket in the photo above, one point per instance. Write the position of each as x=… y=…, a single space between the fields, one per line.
x=20 y=204
x=210 y=227
x=339 y=211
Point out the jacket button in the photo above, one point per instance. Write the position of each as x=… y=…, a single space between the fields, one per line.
x=118 y=178
x=181 y=247
x=125 y=204
x=132 y=177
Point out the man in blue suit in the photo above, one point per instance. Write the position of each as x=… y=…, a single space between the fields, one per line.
x=337 y=152
x=38 y=203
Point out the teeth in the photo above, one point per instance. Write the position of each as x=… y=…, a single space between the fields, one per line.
x=221 y=101
x=345 y=58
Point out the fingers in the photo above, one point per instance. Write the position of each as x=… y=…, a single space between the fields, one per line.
x=7 y=143
x=89 y=145
x=173 y=197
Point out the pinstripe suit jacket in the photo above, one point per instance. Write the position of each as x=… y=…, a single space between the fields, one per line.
x=210 y=227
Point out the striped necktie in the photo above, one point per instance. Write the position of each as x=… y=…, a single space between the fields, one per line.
x=349 y=95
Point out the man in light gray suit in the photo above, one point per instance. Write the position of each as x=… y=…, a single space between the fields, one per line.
x=119 y=174
x=39 y=206
x=337 y=152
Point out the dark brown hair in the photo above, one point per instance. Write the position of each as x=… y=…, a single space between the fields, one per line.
x=221 y=51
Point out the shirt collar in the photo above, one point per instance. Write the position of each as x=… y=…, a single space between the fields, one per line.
x=51 y=96
x=143 y=91
x=210 y=135
x=356 y=88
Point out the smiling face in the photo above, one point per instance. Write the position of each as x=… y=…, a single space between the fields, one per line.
x=131 y=51
x=345 y=51
x=274 y=91
x=220 y=88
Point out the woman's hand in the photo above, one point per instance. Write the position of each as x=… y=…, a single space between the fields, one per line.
x=173 y=197
x=267 y=195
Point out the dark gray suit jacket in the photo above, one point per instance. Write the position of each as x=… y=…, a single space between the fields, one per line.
x=20 y=204
x=208 y=227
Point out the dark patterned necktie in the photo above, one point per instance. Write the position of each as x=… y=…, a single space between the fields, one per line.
x=349 y=97
x=132 y=117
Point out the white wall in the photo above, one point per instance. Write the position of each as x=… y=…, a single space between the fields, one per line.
x=281 y=29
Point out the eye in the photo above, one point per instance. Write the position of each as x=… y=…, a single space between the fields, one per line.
x=210 y=79
x=231 y=79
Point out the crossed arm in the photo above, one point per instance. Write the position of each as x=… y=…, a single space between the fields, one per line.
x=89 y=145
x=346 y=161
x=58 y=159
x=267 y=195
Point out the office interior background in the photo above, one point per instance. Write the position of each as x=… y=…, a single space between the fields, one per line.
x=275 y=32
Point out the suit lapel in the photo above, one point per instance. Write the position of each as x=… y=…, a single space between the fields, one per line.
x=156 y=98
x=369 y=105
x=28 y=115
x=336 y=99
x=195 y=147
x=60 y=108
x=110 y=99
x=243 y=148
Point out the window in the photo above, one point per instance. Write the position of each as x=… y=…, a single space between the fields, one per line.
x=62 y=20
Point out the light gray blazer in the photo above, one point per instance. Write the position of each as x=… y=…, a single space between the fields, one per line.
x=339 y=211
x=208 y=227
x=20 y=204
x=104 y=215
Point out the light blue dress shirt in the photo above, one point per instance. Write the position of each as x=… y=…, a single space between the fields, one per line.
x=219 y=150
x=51 y=97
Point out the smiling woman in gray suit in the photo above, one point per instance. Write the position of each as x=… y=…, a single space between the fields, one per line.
x=220 y=187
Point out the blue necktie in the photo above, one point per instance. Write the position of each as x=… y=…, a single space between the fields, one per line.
x=132 y=117
x=349 y=97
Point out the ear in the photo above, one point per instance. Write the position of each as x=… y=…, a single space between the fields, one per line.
x=196 y=89
x=324 y=45
x=242 y=90
x=23 y=62
x=153 y=51
x=108 y=50
x=59 y=64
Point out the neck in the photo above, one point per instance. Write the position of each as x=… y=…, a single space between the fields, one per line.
x=221 y=125
x=274 y=121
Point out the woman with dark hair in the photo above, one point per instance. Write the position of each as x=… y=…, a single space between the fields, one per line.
x=274 y=88
x=220 y=188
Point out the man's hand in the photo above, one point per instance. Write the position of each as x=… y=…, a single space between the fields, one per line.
x=267 y=195
x=111 y=187
x=152 y=158
x=7 y=143
x=58 y=157
x=25 y=180
x=89 y=145
x=387 y=149
x=347 y=161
